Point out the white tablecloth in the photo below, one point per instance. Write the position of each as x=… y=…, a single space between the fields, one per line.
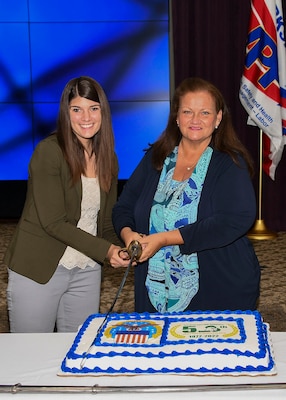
x=34 y=360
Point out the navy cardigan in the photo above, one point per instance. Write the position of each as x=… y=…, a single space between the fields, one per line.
x=229 y=272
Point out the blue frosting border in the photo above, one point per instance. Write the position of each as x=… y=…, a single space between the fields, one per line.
x=264 y=346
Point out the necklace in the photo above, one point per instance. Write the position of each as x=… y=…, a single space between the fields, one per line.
x=192 y=166
x=189 y=167
x=189 y=170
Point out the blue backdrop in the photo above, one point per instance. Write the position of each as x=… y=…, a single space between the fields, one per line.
x=124 y=44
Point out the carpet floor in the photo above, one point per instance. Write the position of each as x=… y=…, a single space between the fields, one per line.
x=272 y=304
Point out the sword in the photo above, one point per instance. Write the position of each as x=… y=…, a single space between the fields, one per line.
x=134 y=251
x=96 y=389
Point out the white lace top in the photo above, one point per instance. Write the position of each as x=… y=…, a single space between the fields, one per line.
x=90 y=206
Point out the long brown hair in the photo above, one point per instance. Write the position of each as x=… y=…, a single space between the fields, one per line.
x=103 y=141
x=224 y=138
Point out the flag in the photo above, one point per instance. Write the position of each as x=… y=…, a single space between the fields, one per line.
x=263 y=83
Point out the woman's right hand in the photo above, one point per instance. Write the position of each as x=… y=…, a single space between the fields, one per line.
x=114 y=258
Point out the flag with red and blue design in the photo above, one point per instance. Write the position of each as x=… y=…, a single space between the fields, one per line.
x=263 y=84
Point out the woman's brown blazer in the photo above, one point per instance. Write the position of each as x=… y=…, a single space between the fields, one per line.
x=49 y=220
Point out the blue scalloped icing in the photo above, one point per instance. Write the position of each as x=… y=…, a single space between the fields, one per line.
x=264 y=346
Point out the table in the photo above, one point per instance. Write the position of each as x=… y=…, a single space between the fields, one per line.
x=34 y=360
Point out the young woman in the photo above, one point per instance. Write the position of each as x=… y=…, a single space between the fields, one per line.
x=65 y=232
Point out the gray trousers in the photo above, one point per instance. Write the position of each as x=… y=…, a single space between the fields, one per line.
x=65 y=301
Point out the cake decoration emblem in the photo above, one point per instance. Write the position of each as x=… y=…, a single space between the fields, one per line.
x=134 y=331
x=213 y=330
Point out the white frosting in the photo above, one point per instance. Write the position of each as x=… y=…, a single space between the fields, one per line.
x=183 y=343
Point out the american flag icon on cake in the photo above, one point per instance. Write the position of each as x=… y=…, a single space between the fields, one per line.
x=132 y=337
x=133 y=332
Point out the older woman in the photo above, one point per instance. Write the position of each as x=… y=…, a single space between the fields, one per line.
x=190 y=202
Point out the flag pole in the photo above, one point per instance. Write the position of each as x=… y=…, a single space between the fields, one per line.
x=259 y=230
